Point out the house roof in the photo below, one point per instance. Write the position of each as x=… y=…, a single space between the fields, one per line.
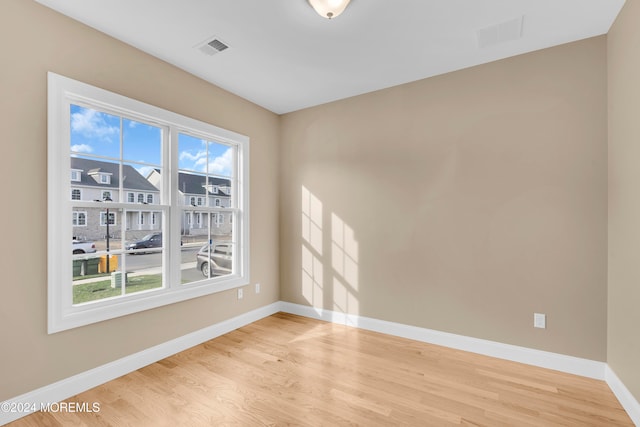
x=132 y=179
x=194 y=184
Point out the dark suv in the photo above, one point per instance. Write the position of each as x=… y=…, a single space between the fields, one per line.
x=215 y=259
x=153 y=240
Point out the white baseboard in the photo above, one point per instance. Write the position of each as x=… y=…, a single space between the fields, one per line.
x=544 y=359
x=84 y=381
x=626 y=399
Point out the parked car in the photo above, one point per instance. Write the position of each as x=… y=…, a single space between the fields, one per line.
x=82 y=247
x=153 y=240
x=215 y=259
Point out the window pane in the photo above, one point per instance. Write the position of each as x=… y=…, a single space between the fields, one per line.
x=91 y=280
x=94 y=132
x=207 y=239
x=100 y=179
x=220 y=160
x=142 y=143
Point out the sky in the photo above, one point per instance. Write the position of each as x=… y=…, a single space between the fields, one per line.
x=95 y=133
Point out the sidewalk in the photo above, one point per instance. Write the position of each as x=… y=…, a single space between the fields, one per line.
x=145 y=272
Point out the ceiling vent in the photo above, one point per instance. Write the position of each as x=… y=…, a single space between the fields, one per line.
x=500 y=33
x=212 y=46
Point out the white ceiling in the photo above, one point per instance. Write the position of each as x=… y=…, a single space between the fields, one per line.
x=285 y=57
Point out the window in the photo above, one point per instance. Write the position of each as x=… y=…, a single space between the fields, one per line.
x=217 y=202
x=106 y=195
x=129 y=139
x=76 y=175
x=79 y=219
x=103 y=218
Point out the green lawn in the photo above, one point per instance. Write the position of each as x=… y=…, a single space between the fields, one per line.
x=102 y=289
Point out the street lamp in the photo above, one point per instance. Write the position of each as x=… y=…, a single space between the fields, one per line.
x=108 y=199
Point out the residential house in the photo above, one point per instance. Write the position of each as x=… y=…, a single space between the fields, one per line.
x=197 y=190
x=93 y=180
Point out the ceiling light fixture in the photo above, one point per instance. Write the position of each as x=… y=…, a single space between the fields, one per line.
x=329 y=8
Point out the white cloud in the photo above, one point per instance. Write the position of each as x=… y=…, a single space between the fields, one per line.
x=92 y=124
x=222 y=165
x=82 y=148
x=145 y=170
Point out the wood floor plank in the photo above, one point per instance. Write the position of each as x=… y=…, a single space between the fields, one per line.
x=287 y=370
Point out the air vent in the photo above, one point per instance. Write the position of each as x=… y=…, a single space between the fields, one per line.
x=500 y=33
x=211 y=46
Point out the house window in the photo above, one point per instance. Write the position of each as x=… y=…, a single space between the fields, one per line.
x=150 y=198
x=131 y=197
x=217 y=202
x=103 y=218
x=79 y=219
x=134 y=137
x=192 y=201
x=153 y=218
x=76 y=175
x=140 y=198
x=106 y=195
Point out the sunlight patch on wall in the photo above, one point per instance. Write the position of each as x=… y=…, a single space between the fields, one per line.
x=312 y=220
x=312 y=276
x=344 y=260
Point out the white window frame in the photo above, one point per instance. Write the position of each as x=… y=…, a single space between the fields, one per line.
x=62 y=313
x=103 y=216
x=150 y=199
x=131 y=197
x=79 y=190
x=75 y=220
x=108 y=193
x=76 y=175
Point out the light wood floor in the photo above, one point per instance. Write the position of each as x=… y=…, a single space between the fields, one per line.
x=291 y=370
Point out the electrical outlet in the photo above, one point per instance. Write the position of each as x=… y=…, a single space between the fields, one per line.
x=257 y=288
x=539 y=320
x=240 y=293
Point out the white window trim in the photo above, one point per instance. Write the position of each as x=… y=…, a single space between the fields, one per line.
x=62 y=314
x=77 y=215
x=71 y=193
x=103 y=219
x=78 y=173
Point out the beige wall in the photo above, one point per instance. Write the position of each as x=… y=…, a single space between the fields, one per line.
x=474 y=199
x=623 y=353
x=35 y=40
